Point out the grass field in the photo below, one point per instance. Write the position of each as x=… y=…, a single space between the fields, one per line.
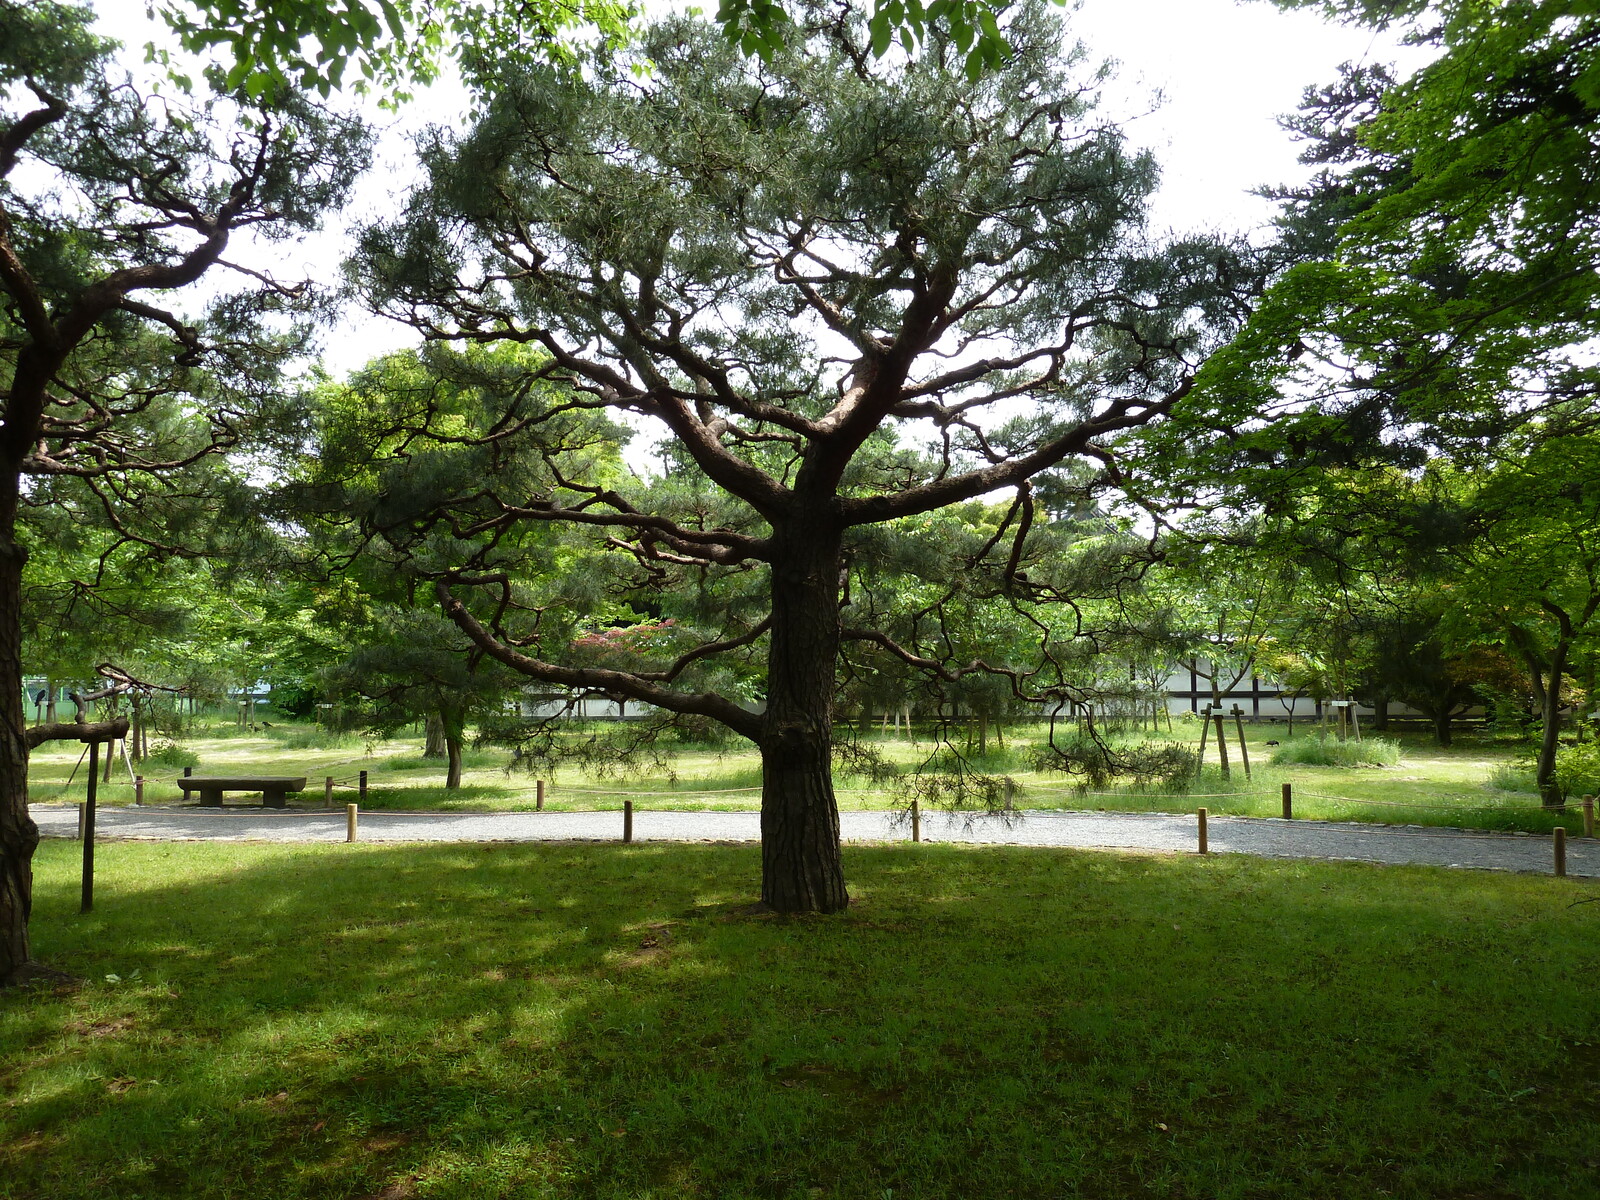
x=1463 y=786
x=564 y=1022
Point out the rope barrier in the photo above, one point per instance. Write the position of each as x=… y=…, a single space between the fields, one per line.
x=687 y=792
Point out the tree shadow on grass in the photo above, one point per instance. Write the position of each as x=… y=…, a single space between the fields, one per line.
x=616 y=1021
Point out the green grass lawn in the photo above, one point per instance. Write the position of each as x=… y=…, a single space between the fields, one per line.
x=1427 y=786
x=555 y=1021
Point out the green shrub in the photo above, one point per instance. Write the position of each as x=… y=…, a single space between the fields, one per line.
x=170 y=754
x=1328 y=752
x=1578 y=769
x=299 y=737
x=1513 y=777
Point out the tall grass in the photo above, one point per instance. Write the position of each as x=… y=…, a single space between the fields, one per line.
x=1330 y=752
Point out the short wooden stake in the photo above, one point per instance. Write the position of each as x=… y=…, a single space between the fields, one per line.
x=83 y=810
x=1288 y=802
x=138 y=789
x=187 y=771
x=363 y=787
x=1201 y=814
x=327 y=792
x=1588 y=816
x=1244 y=752
x=1561 y=850
x=916 y=822
x=627 y=821
x=350 y=816
x=538 y=796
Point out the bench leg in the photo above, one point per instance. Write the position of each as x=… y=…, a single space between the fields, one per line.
x=211 y=797
x=272 y=799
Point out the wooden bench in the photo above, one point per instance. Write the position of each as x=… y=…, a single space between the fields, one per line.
x=273 y=788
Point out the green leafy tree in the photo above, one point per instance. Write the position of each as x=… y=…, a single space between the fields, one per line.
x=288 y=44
x=852 y=293
x=107 y=203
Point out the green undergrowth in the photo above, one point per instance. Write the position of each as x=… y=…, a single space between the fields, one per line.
x=1331 y=752
x=609 y=1022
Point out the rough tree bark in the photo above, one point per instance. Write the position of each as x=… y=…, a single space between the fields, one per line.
x=433 y=745
x=801 y=866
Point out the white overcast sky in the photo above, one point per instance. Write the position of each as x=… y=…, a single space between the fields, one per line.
x=1225 y=72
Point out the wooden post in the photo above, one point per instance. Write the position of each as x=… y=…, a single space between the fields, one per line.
x=1355 y=720
x=350 y=817
x=1201 y=814
x=188 y=771
x=138 y=789
x=1561 y=850
x=1205 y=730
x=1244 y=753
x=1588 y=816
x=88 y=827
x=1288 y=802
x=627 y=821
x=538 y=796
x=327 y=792
x=916 y=822
x=80 y=820
x=363 y=792
x=1222 y=743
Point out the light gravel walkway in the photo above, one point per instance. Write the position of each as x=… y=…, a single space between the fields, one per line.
x=1269 y=837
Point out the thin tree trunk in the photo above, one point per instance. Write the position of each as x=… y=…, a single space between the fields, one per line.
x=1380 y=714
x=801 y=866
x=452 y=778
x=1545 y=776
x=18 y=834
x=1441 y=726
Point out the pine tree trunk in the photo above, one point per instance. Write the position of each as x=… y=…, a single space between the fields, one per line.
x=18 y=834
x=1441 y=726
x=452 y=777
x=801 y=867
x=433 y=745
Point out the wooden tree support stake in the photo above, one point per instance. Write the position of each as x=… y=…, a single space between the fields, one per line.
x=350 y=816
x=87 y=827
x=327 y=792
x=138 y=789
x=1201 y=814
x=1588 y=816
x=1205 y=731
x=1288 y=802
x=1244 y=752
x=538 y=796
x=1561 y=850
x=916 y=822
x=363 y=790
x=627 y=821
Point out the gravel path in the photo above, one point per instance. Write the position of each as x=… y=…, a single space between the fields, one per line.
x=1270 y=837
